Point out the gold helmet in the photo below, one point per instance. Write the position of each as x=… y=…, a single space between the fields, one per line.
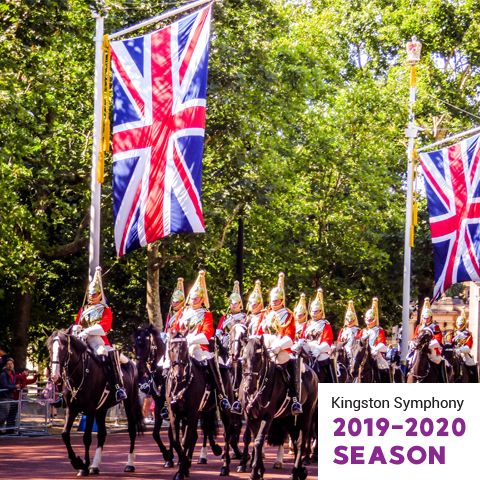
x=256 y=296
x=371 y=317
x=199 y=289
x=350 y=317
x=179 y=292
x=317 y=311
x=96 y=287
x=461 y=322
x=235 y=297
x=300 y=311
x=427 y=314
x=278 y=292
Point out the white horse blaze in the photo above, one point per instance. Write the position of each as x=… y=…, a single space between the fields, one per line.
x=55 y=362
x=97 y=461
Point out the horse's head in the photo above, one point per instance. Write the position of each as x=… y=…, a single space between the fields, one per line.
x=423 y=339
x=360 y=351
x=148 y=348
x=63 y=346
x=255 y=357
x=238 y=340
x=178 y=354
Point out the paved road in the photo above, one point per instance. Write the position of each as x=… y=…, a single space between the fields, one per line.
x=45 y=458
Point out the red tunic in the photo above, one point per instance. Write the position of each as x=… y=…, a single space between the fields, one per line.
x=288 y=330
x=437 y=335
x=172 y=328
x=259 y=328
x=339 y=339
x=105 y=322
x=205 y=327
x=326 y=336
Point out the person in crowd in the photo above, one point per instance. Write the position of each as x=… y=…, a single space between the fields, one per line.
x=8 y=386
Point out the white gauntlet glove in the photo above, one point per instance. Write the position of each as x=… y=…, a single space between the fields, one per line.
x=197 y=339
x=76 y=329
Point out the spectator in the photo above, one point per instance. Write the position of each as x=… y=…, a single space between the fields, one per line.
x=7 y=387
x=22 y=381
x=3 y=356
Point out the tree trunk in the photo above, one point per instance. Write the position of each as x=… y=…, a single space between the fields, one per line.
x=20 y=328
x=153 y=291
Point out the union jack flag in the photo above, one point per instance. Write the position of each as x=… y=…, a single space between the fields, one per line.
x=159 y=106
x=452 y=178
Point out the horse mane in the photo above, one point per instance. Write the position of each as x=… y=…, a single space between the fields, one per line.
x=152 y=329
x=63 y=335
x=252 y=344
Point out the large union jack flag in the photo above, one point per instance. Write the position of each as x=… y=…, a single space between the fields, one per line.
x=452 y=182
x=159 y=87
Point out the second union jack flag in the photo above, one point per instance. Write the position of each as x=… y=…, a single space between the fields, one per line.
x=159 y=87
x=452 y=182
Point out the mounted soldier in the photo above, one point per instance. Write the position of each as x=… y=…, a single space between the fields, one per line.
x=316 y=335
x=233 y=316
x=177 y=305
x=462 y=341
x=280 y=323
x=256 y=309
x=93 y=322
x=196 y=322
x=435 y=344
x=350 y=328
x=376 y=339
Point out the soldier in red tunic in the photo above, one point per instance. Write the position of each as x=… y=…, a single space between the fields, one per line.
x=235 y=305
x=255 y=306
x=436 y=344
x=197 y=323
x=377 y=340
x=350 y=328
x=280 y=323
x=462 y=341
x=94 y=320
x=178 y=301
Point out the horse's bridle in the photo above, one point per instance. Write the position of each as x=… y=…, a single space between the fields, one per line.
x=361 y=367
x=262 y=381
x=418 y=351
x=152 y=356
x=186 y=372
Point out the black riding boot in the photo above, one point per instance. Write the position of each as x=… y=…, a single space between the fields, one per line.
x=215 y=371
x=120 y=393
x=443 y=372
x=297 y=385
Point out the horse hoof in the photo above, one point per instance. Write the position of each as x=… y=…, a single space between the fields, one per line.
x=82 y=473
x=225 y=472
x=179 y=476
x=78 y=464
x=278 y=465
x=217 y=450
x=168 y=464
x=202 y=461
x=242 y=469
x=94 y=471
x=129 y=469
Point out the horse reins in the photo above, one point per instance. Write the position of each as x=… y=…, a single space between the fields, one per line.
x=152 y=356
x=187 y=371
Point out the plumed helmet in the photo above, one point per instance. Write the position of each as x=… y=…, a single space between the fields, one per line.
x=301 y=309
x=199 y=289
x=427 y=314
x=235 y=297
x=96 y=286
x=278 y=292
x=371 y=317
x=461 y=322
x=351 y=316
x=317 y=310
x=179 y=292
x=256 y=296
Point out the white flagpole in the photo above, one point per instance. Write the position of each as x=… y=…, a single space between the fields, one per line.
x=96 y=187
x=413 y=56
x=449 y=139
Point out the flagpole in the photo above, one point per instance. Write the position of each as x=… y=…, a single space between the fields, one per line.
x=96 y=187
x=449 y=139
x=413 y=56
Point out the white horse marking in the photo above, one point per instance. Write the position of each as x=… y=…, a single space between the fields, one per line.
x=97 y=461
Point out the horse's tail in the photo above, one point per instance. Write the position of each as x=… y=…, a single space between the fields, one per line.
x=277 y=435
x=208 y=421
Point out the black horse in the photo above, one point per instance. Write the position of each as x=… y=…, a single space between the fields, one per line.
x=421 y=370
x=265 y=396
x=89 y=389
x=461 y=373
x=149 y=349
x=363 y=367
x=189 y=392
x=340 y=359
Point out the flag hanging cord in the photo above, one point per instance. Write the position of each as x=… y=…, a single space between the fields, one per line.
x=163 y=16
x=448 y=139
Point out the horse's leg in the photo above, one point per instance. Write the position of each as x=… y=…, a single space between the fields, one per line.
x=132 y=409
x=174 y=434
x=189 y=438
x=247 y=438
x=87 y=441
x=157 y=426
x=226 y=420
x=70 y=416
x=258 y=469
x=279 y=460
x=101 y=436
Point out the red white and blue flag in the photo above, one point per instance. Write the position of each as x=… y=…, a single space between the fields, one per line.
x=452 y=183
x=159 y=104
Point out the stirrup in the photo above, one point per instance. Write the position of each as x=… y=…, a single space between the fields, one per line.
x=224 y=404
x=297 y=408
x=237 y=408
x=120 y=395
x=164 y=414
